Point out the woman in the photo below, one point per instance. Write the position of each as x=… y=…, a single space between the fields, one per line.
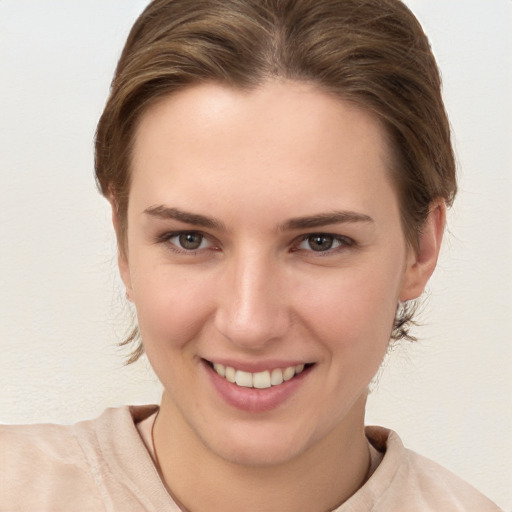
x=279 y=174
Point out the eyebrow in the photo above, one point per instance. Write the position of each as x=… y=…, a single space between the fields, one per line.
x=312 y=221
x=167 y=213
x=325 y=219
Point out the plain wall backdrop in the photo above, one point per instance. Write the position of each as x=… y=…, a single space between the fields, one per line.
x=61 y=305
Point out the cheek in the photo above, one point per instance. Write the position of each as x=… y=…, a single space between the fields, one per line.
x=353 y=309
x=171 y=306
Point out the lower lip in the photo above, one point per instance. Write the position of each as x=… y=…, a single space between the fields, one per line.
x=252 y=399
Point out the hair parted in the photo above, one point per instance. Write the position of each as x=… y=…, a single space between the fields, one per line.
x=372 y=53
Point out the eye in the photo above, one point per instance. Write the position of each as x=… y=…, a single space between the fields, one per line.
x=190 y=241
x=324 y=242
x=187 y=241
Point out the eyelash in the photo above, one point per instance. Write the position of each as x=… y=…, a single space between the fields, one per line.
x=167 y=237
x=343 y=242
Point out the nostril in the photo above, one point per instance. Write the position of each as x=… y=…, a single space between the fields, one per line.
x=252 y=328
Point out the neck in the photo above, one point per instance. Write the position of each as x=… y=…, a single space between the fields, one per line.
x=319 y=479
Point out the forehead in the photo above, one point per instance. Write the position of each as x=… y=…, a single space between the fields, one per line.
x=285 y=137
x=305 y=108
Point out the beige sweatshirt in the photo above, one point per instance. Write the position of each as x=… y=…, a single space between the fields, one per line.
x=104 y=465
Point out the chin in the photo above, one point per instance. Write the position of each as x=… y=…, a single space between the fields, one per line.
x=257 y=454
x=258 y=445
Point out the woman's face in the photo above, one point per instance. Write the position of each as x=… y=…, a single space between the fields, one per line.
x=264 y=239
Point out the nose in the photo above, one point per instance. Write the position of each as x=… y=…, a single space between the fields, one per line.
x=252 y=309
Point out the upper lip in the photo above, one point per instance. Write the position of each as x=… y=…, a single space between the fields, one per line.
x=257 y=366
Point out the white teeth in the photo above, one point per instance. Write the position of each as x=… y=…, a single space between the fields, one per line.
x=288 y=373
x=229 y=373
x=259 y=380
x=219 y=369
x=243 y=379
x=276 y=377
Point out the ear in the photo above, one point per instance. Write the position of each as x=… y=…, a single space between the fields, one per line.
x=122 y=253
x=422 y=262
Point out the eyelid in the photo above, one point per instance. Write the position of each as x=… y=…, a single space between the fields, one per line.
x=165 y=238
x=344 y=243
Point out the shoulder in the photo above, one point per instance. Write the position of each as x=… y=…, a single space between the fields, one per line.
x=412 y=482
x=45 y=466
x=39 y=464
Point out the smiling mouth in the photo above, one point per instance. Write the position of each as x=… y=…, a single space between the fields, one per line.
x=258 y=380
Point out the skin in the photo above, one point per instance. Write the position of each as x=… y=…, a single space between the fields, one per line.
x=255 y=290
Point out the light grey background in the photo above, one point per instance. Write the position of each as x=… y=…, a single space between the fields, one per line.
x=449 y=396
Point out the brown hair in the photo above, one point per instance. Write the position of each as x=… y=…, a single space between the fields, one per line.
x=372 y=53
